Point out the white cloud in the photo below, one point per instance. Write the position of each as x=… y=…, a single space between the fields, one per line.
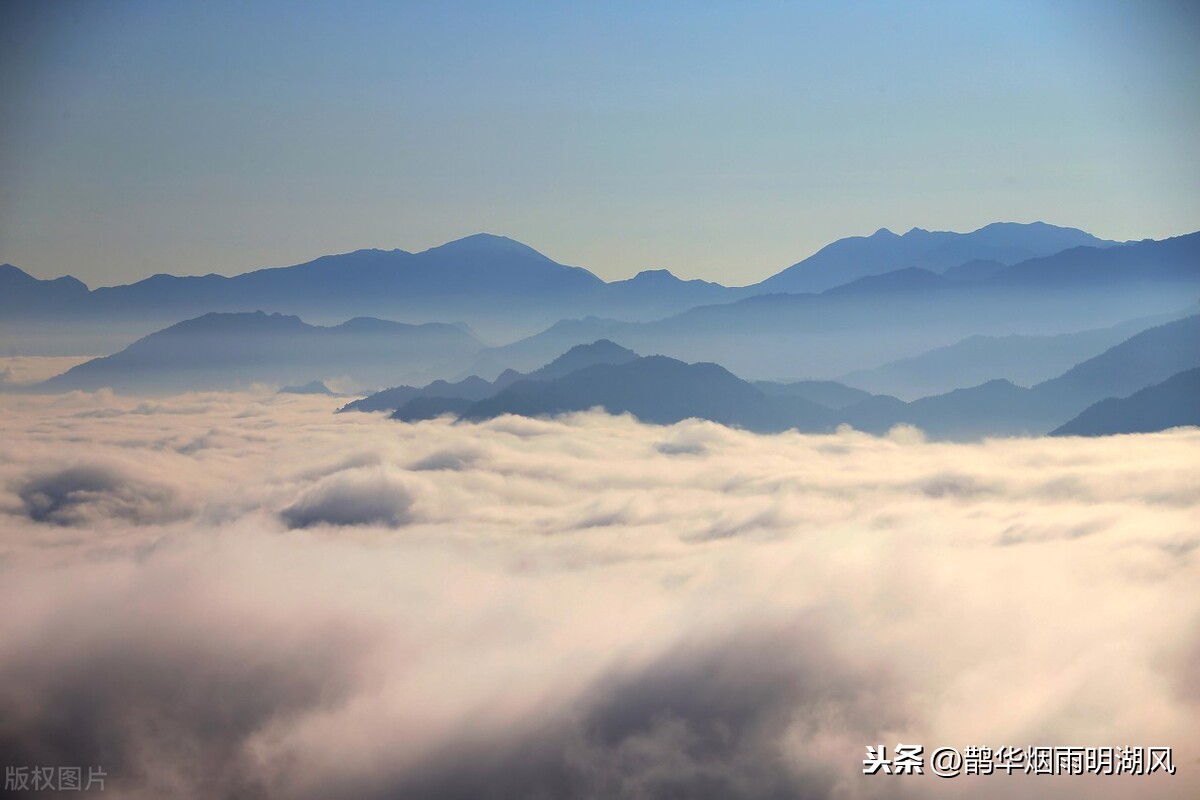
x=261 y=594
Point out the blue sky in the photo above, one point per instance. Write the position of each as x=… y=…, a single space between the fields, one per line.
x=718 y=140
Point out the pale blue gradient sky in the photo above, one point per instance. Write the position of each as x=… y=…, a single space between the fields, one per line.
x=716 y=140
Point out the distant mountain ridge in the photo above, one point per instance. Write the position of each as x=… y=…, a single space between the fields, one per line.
x=895 y=316
x=495 y=283
x=502 y=288
x=999 y=407
x=660 y=389
x=1024 y=360
x=936 y=251
x=1171 y=404
x=474 y=388
x=235 y=350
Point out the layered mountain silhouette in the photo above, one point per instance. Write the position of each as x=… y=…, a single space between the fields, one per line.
x=471 y=388
x=605 y=375
x=434 y=398
x=230 y=351
x=1023 y=360
x=895 y=316
x=995 y=310
x=936 y=251
x=999 y=407
x=830 y=394
x=502 y=288
x=1171 y=404
x=660 y=389
x=21 y=292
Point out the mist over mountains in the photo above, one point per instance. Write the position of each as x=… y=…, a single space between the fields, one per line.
x=662 y=390
x=503 y=289
x=686 y=543
x=226 y=351
x=1021 y=359
x=875 y=320
x=980 y=333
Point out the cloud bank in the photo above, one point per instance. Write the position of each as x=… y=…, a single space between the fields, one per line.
x=248 y=596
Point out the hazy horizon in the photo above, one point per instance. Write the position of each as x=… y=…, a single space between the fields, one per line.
x=717 y=142
x=569 y=261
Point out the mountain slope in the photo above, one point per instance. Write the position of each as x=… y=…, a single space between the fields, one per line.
x=830 y=394
x=228 y=351
x=1143 y=360
x=1173 y=403
x=659 y=390
x=500 y=286
x=859 y=256
x=1024 y=360
x=471 y=388
x=20 y=292
x=474 y=388
x=830 y=334
x=1000 y=408
x=664 y=390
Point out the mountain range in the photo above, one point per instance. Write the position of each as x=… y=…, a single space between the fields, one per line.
x=1171 y=404
x=898 y=315
x=1023 y=360
x=660 y=389
x=503 y=289
x=499 y=286
x=1008 y=329
x=220 y=351
x=1001 y=243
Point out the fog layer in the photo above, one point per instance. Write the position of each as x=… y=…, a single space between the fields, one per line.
x=249 y=596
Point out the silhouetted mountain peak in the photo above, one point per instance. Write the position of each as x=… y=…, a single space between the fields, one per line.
x=312 y=387
x=485 y=244
x=654 y=276
x=369 y=325
x=11 y=275
x=601 y=351
x=236 y=322
x=860 y=256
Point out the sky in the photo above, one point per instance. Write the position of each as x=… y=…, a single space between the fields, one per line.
x=724 y=141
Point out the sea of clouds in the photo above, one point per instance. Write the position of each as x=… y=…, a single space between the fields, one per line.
x=241 y=595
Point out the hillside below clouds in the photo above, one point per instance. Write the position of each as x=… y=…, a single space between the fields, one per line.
x=665 y=390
